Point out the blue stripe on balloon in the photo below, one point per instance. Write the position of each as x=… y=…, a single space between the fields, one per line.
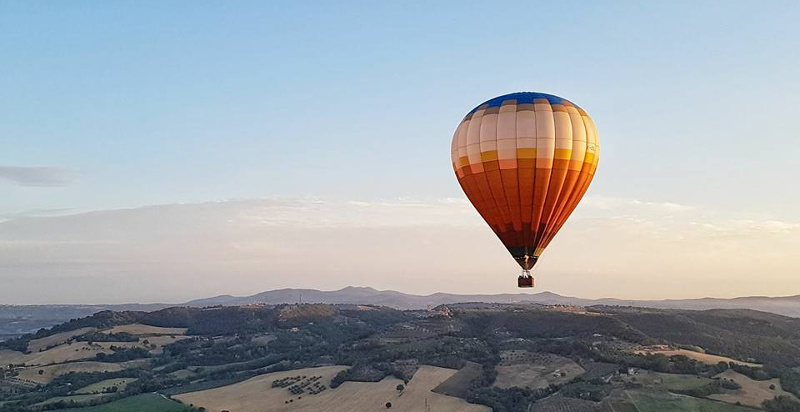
x=521 y=98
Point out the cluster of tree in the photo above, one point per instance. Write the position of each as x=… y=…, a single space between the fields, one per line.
x=715 y=386
x=365 y=373
x=790 y=378
x=592 y=390
x=508 y=400
x=107 y=337
x=545 y=324
x=122 y=354
x=757 y=373
x=781 y=404
x=62 y=384
x=740 y=334
x=215 y=321
x=100 y=320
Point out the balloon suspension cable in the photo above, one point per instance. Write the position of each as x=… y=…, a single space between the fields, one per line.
x=526 y=273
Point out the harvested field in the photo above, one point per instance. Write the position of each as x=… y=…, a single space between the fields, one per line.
x=458 y=384
x=60 y=354
x=50 y=372
x=258 y=395
x=39 y=344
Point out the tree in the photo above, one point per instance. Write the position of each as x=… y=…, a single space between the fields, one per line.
x=41 y=371
x=400 y=387
x=388 y=405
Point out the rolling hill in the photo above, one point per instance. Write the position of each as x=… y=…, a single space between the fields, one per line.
x=787 y=306
x=16 y=320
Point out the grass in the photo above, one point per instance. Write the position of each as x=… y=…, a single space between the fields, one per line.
x=78 y=399
x=148 y=402
x=652 y=401
x=670 y=381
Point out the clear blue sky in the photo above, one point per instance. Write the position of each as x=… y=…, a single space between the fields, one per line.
x=145 y=103
x=190 y=101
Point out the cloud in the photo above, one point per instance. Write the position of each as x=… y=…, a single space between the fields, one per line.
x=610 y=247
x=611 y=203
x=36 y=176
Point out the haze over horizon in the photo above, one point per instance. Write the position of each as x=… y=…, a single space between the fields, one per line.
x=169 y=153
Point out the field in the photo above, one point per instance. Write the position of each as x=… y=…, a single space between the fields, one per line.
x=534 y=370
x=257 y=394
x=149 y=402
x=100 y=387
x=458 y=384
x=698 y=356
x=146 y=330
x=668 y=381
x=50 y=372
x=61 y=350
x=562 y=404
x=65 y=355
x=59 y=338
x=78 y=399
x=753 y=392
x=660 y=401
x=59 y=354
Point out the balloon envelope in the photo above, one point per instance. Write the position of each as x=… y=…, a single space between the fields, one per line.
x=525 y=160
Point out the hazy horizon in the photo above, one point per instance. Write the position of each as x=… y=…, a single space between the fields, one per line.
x=167 y=152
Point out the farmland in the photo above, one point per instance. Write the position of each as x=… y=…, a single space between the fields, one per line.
x=459 y=358
x=699 y=356
x=657 y=401
x=257 y=394
x=49 y=372
x=141 y=403
x=752 y=392
x=534 y=370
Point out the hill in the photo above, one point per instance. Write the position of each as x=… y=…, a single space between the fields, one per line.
x=787 y=306
x=17 y=320
x=463 y=356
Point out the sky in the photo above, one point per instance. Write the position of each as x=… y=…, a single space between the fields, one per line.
x=160 y=152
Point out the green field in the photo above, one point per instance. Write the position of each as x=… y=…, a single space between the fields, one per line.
x=78 y=399
x=148 y=402
x=656 y=401
x=670 y=381
x=99 y=387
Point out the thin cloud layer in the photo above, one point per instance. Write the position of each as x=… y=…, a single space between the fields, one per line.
x=611 y=247
x=36 y=176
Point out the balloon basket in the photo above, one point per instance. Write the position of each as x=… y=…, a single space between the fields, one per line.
x=525 y=280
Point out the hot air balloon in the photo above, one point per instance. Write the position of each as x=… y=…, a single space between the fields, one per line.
x=525 y=160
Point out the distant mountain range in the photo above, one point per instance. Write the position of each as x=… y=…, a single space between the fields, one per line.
x=20 y=319
x=787 y=306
